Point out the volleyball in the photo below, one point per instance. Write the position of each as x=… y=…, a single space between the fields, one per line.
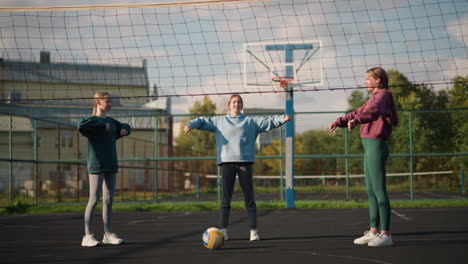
x=213 y=238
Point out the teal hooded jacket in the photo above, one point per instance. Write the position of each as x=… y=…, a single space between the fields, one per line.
x=102 y=150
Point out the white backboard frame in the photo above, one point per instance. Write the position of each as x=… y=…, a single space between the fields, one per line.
x=261 y=65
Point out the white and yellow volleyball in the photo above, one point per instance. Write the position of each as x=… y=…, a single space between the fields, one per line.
x=213 y=238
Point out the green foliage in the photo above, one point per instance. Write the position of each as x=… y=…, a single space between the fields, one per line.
x=357 y=99
x=318 y=143
x=458 y=98
x=198 y=141
x=432 y=132
x=18 y=207
x=213 y=206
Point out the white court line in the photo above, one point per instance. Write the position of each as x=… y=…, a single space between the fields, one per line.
x=443 y=196
x=158 y=217
x=401 y=215
x=342 y=257
x=136 y=222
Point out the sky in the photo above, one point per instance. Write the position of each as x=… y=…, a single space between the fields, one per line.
x=199 y=49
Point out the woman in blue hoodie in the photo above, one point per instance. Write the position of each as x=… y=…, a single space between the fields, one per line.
x=235 y=142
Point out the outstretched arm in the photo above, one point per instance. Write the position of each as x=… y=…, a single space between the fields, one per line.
x=331 y=127
x=267 y=123
x=187 y=129
x=201 y=123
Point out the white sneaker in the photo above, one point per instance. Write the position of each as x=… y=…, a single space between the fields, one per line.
x=366 y=238
x=111 y=238
x=89 y=241
x=381 y=241
x=225 y=234
x=254 y=235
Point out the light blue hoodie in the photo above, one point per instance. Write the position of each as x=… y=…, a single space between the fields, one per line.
x=236 y=135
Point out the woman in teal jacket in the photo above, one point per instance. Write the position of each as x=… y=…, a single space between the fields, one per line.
x=235 y=142
x=102 y=133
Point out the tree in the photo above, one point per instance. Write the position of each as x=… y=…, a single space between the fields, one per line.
x=198 y=141
x=458 y=95
x=356 y=100
x=319 y=143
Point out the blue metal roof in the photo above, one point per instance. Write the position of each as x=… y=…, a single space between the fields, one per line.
x=73 y=73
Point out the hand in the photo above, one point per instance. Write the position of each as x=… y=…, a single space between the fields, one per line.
x=123 y=132
x=331 y=127
x=187 y=129
x=286 y=118
x=351 y=125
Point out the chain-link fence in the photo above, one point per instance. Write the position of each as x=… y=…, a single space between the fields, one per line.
x=43 y=159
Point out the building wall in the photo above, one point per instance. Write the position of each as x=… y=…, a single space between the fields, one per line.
x=129 y=95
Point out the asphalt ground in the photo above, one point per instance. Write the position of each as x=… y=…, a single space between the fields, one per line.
x=433 y=235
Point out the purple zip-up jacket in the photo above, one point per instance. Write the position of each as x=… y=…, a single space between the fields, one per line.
x=375 y=116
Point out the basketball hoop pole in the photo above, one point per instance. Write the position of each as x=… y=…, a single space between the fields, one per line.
x=284 y=83
x=290 y=148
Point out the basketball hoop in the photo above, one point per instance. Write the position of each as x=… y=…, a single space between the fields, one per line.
x=283 y=80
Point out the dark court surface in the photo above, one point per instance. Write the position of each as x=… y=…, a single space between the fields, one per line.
x=436 y=235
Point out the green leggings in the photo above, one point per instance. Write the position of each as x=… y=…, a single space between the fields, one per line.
x=376 y=153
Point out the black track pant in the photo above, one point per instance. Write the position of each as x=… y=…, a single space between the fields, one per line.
x=228 y=173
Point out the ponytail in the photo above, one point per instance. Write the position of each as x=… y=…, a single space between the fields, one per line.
x=395 y=118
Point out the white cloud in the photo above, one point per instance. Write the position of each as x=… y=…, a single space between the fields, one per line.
x=203 y=56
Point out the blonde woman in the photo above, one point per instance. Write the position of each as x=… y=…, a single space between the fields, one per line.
x=102 y=133
x=235 y=143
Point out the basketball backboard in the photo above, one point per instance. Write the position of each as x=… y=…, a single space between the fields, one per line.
x=301 y=61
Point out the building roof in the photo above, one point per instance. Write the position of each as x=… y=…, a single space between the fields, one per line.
x=11 y=70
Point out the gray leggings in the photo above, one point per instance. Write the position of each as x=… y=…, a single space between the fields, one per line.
x=95 y=189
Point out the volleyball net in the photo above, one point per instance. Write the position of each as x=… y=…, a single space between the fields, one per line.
x=140 y=52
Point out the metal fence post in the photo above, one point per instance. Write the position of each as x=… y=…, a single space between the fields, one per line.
x=462 y=181
x=410 y=132
x=347 y=163
x=198 y=186
x=218 y=182
x=156 y=156
x=281 y=165
x=10 y=149
x=36 y=165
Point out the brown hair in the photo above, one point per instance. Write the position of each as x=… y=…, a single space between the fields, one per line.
x=233 y=96
x=98 y=96
x=381 y=74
